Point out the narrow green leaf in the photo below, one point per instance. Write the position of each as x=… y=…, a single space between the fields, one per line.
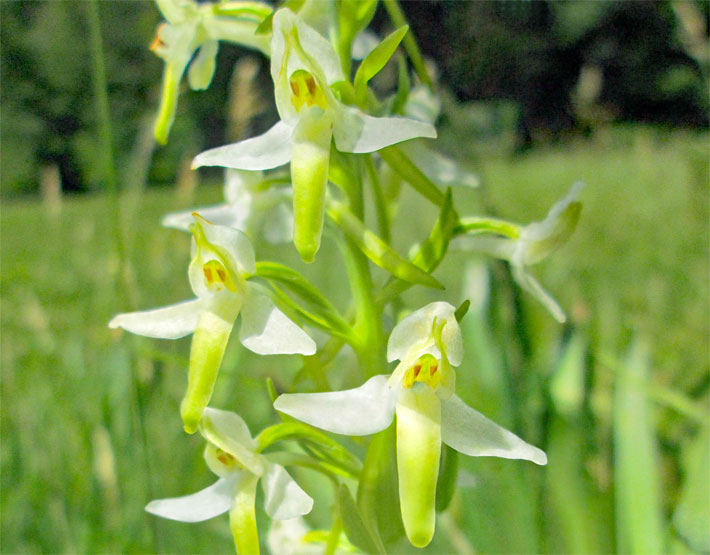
x=324 y=445
x=428 y=254
x=295 y=282
x=266 y=25
x=400 y=163
x=354 y=527
x=378 y=491
x=475 y=225
x=376 y=249
x=250 y=11
x=448 y=472
x=271 y=388
x=462 y=310
x=692 y=515
x=637 y=487
x=376 y=60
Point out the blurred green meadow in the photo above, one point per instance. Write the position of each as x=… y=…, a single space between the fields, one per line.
x=619 y=398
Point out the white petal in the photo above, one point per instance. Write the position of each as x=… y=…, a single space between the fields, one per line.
x=266 y=330
x=221 y=214
x=471 y=433
x=357 y=132
x=208 y=503
x=283 y=497
x=532 y=286
x=169 y=322
x=414 y=333
x=270 y=150
x=354 y=412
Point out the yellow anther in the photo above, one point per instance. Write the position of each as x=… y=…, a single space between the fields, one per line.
x=305 y=90
x=217 y=278
x=425 y=370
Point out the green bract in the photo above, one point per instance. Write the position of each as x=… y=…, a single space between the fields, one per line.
x=420 y=391
x=197 y=28
x=222 y=260
x=231 y=454
x=533 y=243
x=304 y=66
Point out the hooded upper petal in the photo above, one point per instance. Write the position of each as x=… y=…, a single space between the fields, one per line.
x=203 y=505
x=413 y=335
x=283 y=497
x=471 y=433
x=169 y=322
x=355 y=412
x=229 y=432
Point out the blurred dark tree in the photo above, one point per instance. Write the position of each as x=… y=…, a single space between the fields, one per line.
x=634 y=57
x=534 y=53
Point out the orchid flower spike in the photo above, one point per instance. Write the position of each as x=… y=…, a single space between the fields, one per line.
x=222 y=260
x=231 y=454
x=420 y=392
x=304 y=67
x=533 y=243
x=191 y=27
x=250 y=206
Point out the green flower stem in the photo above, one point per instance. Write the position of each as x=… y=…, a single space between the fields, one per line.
x=335 y=531
x=473 y=225
x=410 y=43
x=383 y=223
x=401 y=164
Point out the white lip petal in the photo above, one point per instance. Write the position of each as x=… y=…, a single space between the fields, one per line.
x=169 y=322
x=266 y=330
x=203 y=505
x=355 y=412
x=283 y=497
x=270 y=150
x=471 y=433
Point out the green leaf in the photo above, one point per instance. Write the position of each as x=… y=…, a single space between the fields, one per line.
x=462 y=310
x=376 y=249
x=295 y=282
x=400 y=163
x=378 y=491
x=692 y=515
x=355 y=528
x=376 y=60
x=448 y=472
x=428 y=254
x=637 y=482
x=250 y=11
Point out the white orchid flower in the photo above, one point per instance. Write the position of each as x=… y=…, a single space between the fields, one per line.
x=249 y=206
x=191 y=28
x=534 y=243
x=420 y=392
x=304 y=66
x=294 y=537
x=231 y=454
x=222 y=259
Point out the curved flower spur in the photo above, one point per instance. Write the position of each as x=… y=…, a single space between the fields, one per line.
x=420 y=392
x=222 y=261
x=304 y=67
x=231 y=454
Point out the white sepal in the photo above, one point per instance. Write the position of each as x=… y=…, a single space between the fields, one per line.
x=356 y=412
x=283 y=497
x=169 y=322
x=203 y=505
